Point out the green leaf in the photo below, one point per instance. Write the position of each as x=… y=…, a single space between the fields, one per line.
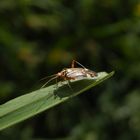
x=30 y=104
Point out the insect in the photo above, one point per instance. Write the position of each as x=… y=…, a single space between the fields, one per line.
x=73 y=73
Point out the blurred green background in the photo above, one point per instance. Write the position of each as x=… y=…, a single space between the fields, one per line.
x=40 y=37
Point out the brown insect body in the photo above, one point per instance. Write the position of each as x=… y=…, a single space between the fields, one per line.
x=73 y=73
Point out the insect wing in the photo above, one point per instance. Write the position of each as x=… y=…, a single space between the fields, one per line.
x=76 y=73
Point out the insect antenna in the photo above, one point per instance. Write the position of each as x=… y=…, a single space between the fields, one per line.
x=50 y=80
x=47 y=77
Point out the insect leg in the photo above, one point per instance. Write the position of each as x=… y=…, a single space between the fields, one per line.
x=69 y=85
x=73 y=63
x=56 y=83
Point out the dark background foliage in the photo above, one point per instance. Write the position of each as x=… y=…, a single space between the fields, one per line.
x=40 y=37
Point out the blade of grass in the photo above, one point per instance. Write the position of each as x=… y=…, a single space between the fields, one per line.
x=28 y=105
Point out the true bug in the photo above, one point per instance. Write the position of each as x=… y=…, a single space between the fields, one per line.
x=72 y=73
